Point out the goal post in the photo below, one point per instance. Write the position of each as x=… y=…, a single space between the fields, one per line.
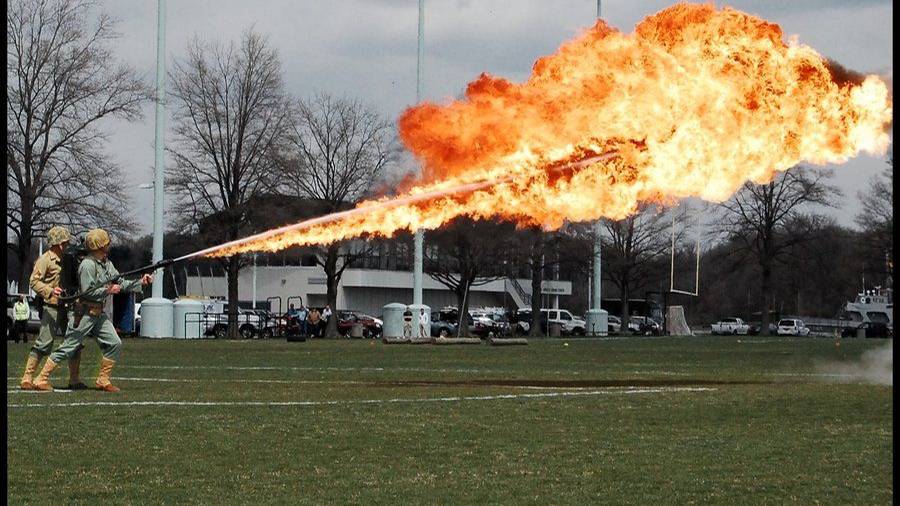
x=672 y=289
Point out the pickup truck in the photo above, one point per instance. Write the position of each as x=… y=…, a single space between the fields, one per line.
x=732 y=326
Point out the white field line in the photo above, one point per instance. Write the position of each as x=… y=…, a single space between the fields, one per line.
x=820 y=375
x=369 y=401
x=305 y=382
x=55 y=391
x=373 y=369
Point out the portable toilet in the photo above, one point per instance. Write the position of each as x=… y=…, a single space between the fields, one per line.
x=597 y=322
x=393 y=319
x=156 y=317
x=188 y=318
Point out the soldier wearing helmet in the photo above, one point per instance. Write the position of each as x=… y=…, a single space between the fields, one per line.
x=45 y=281
x=97 y=279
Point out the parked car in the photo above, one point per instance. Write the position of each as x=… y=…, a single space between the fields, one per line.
x=501 y=323
x=522 y=321
x=372 y=326
x=569 y=324
x=445 y=323
x=792 y=327
x=250 y=324
x=442 y=325
x=872 y=329
x=755 y=326
x=644 y=326
x=731 y=325
x=613 y=324
x=34 y=318
x=488 y=324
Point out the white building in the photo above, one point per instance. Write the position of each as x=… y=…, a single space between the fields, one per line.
x=366 y=290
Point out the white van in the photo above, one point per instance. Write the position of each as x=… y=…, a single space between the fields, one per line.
x=792 y=327
x=569 y=324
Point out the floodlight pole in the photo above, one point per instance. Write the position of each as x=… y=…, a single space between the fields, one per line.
x=418 y=241
x=595 y=291
x=158 y=181
x=254 y=281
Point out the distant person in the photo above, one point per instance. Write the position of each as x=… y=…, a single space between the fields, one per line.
x=292 y=311
x=326 y=314
x=424 y=326
x=302 y=313
x=20 y=315
x=314 y=319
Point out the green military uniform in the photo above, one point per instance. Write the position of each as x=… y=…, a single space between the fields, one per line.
x=94 y=277
x=44 y=280
x=87 y=318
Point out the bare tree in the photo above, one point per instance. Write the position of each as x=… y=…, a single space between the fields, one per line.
x=230 y=118
x=62 y=81
x=464 y=254
x=876 y=220
x=537 y=263
x=633 y=248
x=338 y=151
x=767 y=220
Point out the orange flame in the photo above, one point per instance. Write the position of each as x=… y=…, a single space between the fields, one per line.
x=694 y=103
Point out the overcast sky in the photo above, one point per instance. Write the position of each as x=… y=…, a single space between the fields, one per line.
x=366 y=49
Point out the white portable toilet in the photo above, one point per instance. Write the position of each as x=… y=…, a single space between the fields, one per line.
x=156 y=317
x=421 y=321
x=186 y=321
x=596 y=322
x=393 y=319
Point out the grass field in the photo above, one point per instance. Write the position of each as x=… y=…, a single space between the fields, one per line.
x=612 y=421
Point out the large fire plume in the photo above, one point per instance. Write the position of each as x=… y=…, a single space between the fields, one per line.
x=694 y=103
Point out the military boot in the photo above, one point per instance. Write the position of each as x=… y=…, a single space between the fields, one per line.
x=75 y=382
x=43 y=379
x=28 y=377
x=103 y=382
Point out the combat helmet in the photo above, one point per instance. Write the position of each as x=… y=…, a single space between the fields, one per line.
x=58 y=235
x=96 y=239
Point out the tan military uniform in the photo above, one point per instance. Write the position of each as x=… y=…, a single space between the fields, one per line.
x=44 y=279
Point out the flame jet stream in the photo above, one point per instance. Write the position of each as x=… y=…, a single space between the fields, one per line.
x=695 y=102
x=274 y=240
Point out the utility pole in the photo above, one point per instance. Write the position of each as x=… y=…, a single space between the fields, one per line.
x=418 y=241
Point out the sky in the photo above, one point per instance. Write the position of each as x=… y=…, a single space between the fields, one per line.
x=366 y=49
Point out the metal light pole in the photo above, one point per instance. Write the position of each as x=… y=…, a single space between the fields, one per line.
x=254 y=281
x=418 y=241
x=597 y=320
x=159 y=141
x=157 y=312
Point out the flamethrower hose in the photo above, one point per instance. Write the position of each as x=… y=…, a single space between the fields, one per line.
x=330 y=218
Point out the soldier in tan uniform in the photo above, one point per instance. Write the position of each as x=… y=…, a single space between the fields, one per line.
x=97 y=279
x=45 y=283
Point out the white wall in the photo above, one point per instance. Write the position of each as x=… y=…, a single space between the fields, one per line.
x=360 y=289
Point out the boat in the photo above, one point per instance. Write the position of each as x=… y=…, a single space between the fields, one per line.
x=872 y=306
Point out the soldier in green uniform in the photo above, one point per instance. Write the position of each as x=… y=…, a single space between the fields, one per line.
x=97 y=279
x=45 y=283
